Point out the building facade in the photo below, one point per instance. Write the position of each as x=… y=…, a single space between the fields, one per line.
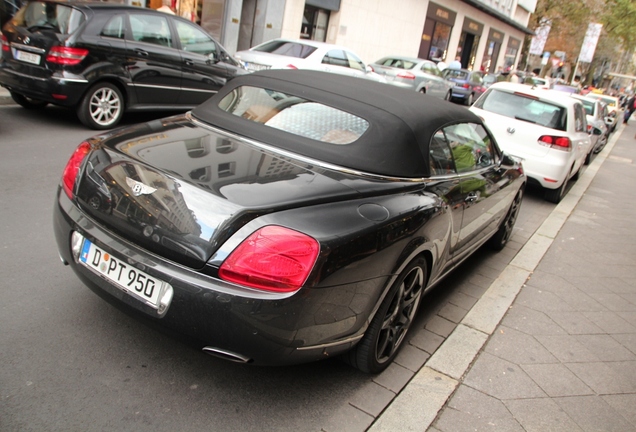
x=485 y=34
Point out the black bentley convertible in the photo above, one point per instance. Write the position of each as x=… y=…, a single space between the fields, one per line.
x=295 y=215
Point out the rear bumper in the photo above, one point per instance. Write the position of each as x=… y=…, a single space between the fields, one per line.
x=68 y=91
x=263 y=328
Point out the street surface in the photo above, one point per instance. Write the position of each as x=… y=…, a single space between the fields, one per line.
x=71 y=362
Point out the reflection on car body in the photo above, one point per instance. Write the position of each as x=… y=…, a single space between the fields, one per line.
x=296 y=215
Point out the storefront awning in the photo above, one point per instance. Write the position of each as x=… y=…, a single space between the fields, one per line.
x=501 y=17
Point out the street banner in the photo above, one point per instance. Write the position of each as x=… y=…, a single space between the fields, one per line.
x=540 y=37
x=589 y=43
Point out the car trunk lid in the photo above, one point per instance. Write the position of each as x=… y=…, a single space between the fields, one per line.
x=180 y=191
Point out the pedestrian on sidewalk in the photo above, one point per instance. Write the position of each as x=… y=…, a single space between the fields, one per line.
x=629 y=108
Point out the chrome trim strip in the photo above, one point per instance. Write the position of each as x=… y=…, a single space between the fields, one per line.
x=199 y=90
x=132 y=84
x=28 y=48
x=305 y=159
x=75 y=80
x=330 y=344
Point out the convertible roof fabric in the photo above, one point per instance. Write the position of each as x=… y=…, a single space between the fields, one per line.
x=401 y=122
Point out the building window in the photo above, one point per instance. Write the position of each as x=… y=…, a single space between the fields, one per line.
x=439 y=42
x=315 y=22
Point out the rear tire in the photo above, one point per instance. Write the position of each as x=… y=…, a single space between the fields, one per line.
x=555 y=195
x=388 y=328
x=27 y=102
x=448 y=96
x=469 y=100
x=102 y=107
x=503 y=234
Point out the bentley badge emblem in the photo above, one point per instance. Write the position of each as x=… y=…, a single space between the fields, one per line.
x=138 y=188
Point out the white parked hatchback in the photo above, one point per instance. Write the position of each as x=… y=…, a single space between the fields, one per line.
x=545 y=128
x=306 y=54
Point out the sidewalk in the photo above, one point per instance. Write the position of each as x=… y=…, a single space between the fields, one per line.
x=551 y=346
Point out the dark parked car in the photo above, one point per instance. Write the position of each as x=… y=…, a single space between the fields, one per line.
x=468 y=85
x=104 y=59
x=294 y=216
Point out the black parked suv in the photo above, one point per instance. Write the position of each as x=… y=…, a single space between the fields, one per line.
x=103 y=59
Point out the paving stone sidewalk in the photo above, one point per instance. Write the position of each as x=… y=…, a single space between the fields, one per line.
x=564 y=356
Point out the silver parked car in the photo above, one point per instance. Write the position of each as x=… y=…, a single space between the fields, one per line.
x=595 y=113
x=414 y=73
x=305 y=54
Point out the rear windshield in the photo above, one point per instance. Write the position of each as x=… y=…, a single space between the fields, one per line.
x=524 y=107
x=397 y=63
x=42 y=16
x=588 y=105
x=454 y=73
x=290 y=49
x=294 y=114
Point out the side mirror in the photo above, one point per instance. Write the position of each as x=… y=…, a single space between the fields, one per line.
x=507 y=162
x=213 y=57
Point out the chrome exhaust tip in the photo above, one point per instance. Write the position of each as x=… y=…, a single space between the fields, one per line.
x=226 y=355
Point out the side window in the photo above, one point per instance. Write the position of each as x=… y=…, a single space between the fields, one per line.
x=354 y=62
x=440 y=157
x=193 y=39
x=336 y=58
x=151 y=29
x=431 y=69
x=580 y=122
x=115 y=28
x=471 y=146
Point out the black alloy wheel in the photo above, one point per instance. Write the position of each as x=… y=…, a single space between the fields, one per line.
x=503 y=234
x=102 y=107
x=387 y=330
x=27 y=102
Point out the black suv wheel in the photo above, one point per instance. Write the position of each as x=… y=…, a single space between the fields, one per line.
x=102 y=107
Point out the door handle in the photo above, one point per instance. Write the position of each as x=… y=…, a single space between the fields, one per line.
x=471 y=198
x=189 y=62
x=141 y=52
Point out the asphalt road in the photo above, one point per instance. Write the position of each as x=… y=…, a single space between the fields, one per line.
x=71 y=362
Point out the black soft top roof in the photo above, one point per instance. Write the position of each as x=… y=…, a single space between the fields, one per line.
x=401 y=122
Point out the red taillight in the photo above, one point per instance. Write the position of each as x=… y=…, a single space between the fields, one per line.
x=561 y=143
x=273 y=258
x=466 y=85
x=589 y=128
x=406 y=75
x=5 y=43
x=73 y=166
x=66 y=55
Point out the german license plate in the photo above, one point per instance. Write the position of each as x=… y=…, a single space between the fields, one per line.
x=123 y=275
x=27 y=57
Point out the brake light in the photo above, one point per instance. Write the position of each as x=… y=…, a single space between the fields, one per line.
x=274 y=258
x=466 y=85
x=73 y=166
x=5 y=43
x=589 y=128
x=406 y=75
x=66 y=55
x=556 y=142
